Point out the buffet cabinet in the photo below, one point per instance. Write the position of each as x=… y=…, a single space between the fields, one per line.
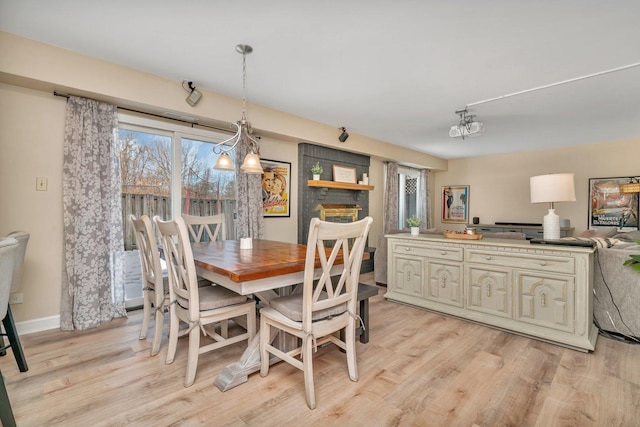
x=541 y=291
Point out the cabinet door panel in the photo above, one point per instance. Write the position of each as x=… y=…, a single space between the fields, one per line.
x=445 y=283
x=408 y=275
x=489 y=290
x=545 y=300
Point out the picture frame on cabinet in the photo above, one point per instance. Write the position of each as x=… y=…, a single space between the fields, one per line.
x=613 y=202
x=455 y=203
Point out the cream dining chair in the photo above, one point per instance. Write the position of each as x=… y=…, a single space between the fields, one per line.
x=11 y=331
x=206 y=229
x=155 y=287
x=8 y=250
x=199 y=307
x=209 y=228
x=323 y=308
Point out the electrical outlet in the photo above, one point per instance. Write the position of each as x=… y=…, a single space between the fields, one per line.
x=41 y=184
x=16 y=298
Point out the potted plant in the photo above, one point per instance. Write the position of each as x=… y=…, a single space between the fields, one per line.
x=414 y=223
x=316 y=170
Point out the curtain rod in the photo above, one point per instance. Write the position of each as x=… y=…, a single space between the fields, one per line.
x=64 y=95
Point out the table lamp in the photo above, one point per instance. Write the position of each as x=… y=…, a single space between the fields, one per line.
x=551 y=188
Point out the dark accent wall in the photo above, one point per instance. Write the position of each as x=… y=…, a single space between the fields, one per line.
x=310 y=197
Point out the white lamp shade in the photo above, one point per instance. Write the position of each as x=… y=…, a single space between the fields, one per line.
x=252 y=164
x=557 y=187
x=224 y=163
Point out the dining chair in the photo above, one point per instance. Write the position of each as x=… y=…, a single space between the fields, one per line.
x=11 y=332
x=206 y=228
x=200 y=308
x=323 y=308
x=9 y=248
x=155 y=287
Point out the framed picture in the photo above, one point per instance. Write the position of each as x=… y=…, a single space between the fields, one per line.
x=455 y=203
x=614 y=203
x=344 y=174
x=276 y=183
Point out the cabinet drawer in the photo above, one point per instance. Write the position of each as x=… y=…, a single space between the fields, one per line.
x=451 y=254
x=534 y=262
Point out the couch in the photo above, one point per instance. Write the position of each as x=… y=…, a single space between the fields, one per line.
x=616 y=303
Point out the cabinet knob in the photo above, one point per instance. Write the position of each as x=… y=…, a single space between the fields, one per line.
x=543 y=263
x=488 y=257
x=407 y=248
x=443 y=253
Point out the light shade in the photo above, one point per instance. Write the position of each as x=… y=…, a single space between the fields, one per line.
x=224 y=163
x=252 y=164
x=556 y=187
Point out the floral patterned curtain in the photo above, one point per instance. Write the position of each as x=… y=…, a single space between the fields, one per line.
x=250 y=221
x=424 y=200
x=390 y=214
x=93 y=277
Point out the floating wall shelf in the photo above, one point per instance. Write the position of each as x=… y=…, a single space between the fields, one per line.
x=339 y=185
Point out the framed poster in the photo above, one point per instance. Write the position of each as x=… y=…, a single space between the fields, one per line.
x=344 y=174
x=612 y=203
x=455 y=203
x=276 y=182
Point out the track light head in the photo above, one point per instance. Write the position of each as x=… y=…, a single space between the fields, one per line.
x=194 y=94
x=344 y=135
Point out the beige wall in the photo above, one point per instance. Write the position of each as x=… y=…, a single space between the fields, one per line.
x=31 y=131
x=499 y=184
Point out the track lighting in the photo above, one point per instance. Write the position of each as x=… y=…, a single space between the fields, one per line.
x=344 y=135
x=194 y=94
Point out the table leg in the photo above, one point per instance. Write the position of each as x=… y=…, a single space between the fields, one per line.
x=238 y=372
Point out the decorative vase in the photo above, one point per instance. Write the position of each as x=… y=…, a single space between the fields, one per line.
x=415 y=231
x=316 y=177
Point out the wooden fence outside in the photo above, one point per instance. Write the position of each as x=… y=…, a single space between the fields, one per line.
x=151 y=205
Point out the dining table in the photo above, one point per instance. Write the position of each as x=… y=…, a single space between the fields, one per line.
x=268 y=269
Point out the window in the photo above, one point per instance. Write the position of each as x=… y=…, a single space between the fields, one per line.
x=167 y=170
x=408 y=183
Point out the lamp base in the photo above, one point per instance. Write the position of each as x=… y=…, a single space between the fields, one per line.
x=551 y=226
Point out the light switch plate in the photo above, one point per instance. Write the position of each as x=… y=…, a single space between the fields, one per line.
x=41 y=184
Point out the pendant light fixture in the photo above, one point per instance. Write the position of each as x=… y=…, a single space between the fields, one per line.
x=244 y=133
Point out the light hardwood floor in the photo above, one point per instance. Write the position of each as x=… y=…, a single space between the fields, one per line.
x=419 y=369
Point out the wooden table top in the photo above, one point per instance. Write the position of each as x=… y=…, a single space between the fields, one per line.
x=267 y=258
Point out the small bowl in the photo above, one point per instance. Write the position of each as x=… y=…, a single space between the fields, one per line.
x=471 y=231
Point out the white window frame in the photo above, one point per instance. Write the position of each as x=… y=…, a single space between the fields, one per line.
x=176 y=132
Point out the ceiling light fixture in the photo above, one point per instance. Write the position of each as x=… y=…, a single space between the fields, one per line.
x=194 y=94
x=344 y=135
x=244 y=132
x=467 y=126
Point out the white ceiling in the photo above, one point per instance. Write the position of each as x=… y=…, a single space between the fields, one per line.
x=392 y=70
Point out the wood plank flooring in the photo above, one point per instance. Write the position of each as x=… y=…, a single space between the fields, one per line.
x=419 y=369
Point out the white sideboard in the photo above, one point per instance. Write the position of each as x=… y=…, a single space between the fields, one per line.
x=541 y=291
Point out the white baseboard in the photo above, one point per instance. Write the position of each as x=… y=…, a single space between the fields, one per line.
x=38 y=325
